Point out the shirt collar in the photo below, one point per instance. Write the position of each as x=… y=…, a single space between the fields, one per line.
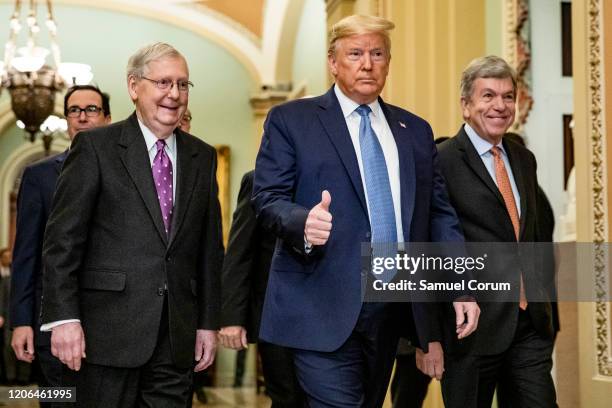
x=348 y=106
x=151 y=139
x=481 y=145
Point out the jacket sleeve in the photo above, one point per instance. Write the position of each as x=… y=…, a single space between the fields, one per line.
x=211 y=260
x=66 y=235
x=236 y=277
x=274 y=184
x=27 y=250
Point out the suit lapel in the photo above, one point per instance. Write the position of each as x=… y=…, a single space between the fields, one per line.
x=59 y=161
x=405 y=152
x=136 y=161
x=517 y=172
x=473 y=160
x=333 y=122
x=185 y=179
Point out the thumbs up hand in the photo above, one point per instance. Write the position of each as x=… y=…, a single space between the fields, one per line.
x=318 y=224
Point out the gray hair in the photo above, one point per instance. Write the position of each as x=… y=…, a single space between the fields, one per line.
x=359 y=24
x=138 y=63
x=490 y=66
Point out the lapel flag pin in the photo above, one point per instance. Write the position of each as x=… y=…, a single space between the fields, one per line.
x=402 y=124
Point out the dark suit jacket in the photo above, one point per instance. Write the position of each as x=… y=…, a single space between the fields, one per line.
x=246 y=265
x=546 y=228
x=33 y=208
x=313 y=300
x=484 y=218
x=107 y=257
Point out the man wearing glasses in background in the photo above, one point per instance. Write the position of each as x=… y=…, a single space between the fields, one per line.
x=85 y=107
x=133 y=249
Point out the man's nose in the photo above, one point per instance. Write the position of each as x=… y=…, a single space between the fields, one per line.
x=499 y=104
x=367 y=61
x=173 y=92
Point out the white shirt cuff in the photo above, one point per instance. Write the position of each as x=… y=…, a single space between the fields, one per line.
x=49 y=326
x=307 y=246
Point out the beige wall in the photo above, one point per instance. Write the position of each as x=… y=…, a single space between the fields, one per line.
x=432 y=43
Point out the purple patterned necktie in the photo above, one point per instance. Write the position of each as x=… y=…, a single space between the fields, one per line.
x=162 y=175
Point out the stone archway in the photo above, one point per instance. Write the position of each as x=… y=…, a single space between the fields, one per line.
x=10 y=172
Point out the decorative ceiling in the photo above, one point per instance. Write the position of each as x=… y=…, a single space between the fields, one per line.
x=259 y=33
x=247 y=13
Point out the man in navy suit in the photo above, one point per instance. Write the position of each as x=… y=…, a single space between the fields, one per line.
x=372 y=168
x=85 y=107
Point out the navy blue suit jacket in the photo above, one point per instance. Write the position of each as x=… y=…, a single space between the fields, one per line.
x=313 y=300
x=33 y=208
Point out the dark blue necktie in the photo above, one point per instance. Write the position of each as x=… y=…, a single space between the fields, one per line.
x=380 y=200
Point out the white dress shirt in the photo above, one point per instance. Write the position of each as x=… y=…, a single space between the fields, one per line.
x=387 y=142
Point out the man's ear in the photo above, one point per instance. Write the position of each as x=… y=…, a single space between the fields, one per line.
x=464 y=107
x=331 y=62
x=132 y=81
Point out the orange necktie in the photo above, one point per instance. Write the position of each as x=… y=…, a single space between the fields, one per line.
x=505 y=188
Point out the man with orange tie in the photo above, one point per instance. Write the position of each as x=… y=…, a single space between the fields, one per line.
x=492 y=185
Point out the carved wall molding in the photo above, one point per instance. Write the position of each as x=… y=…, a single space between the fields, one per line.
x=598 y=186
x=516 y=39
x=523 y=62
x=509 y=32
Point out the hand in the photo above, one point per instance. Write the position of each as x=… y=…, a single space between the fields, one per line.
x=318 y=224
x=233 y=337
x=466 y=327
x=68 y=344
x=205 y=348
x=431 y=363
x=22 y=343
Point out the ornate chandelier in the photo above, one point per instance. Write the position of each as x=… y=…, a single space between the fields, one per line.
x=31 y=82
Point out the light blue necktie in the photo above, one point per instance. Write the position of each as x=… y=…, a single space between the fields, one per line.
x=380 y=200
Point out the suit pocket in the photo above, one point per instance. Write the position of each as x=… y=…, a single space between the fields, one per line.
x=103 y=280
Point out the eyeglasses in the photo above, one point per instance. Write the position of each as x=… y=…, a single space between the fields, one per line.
x=90 y=111
x=167 y=84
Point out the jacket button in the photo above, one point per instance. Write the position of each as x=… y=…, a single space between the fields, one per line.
x=168 y=258
x=160 y=291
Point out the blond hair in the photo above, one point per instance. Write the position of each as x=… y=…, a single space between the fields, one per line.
x=138 y=63
x=490 y=66
x=357 y=25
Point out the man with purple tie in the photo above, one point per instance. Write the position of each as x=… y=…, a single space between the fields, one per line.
x=85 y=107
x=133 y=249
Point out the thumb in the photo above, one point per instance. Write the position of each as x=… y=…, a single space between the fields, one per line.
x=198 y=348
x=30 y=345
x=459 y=315
x=325 y=200
x=243 y=339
